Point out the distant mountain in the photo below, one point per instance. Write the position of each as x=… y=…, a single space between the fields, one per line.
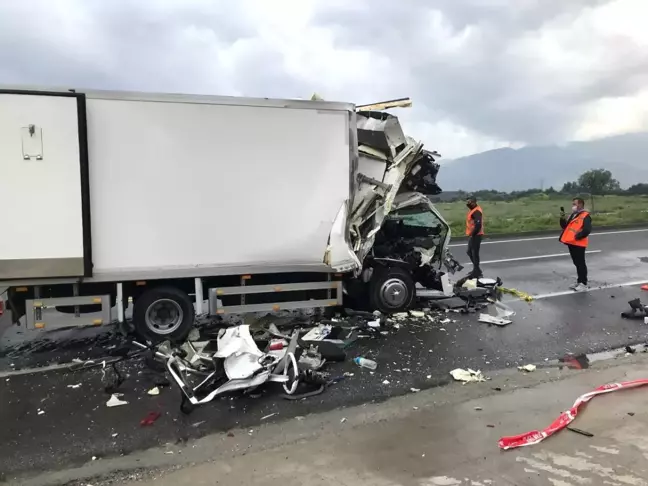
x=507 y=169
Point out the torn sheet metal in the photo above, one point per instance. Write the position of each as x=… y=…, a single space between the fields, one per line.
x=467 y=375
x=498 y=321
x=380 y=130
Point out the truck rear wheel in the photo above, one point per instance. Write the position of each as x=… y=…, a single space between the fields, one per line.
x=391 y=290
x=163 y=313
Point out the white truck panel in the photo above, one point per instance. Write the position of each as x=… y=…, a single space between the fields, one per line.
x=179 y=185
x=40 y=186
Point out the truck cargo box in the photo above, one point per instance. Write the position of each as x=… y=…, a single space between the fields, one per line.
x=116 y=186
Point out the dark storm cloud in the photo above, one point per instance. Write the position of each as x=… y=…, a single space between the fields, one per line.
x=463 y=60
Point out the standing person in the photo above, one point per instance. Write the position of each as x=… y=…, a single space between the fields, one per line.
x=576 y=230
x=474 y=232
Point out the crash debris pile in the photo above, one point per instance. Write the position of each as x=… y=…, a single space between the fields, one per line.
x=637 y=311
x=295 y=354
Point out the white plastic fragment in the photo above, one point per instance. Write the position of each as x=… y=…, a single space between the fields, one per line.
x=498 y=321
x=74 y=387
x=415 y=390
x=528 y=368
x=342 y=420
x=374 y=324
x=41 y=412
x=467 y=376
x=269 y=416
x=416 y=313
x=115 y=401
x=385 y=382
x=155 y=391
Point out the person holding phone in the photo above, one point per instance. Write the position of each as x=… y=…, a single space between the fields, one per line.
x=575 y=232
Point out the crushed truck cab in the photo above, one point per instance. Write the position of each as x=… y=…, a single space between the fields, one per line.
x=399 y=236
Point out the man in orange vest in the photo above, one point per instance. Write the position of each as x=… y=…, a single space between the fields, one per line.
x=576 y=230
x=474 y=232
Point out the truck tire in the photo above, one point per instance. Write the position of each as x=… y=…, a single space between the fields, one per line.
x=163 y=313
x=391 y=290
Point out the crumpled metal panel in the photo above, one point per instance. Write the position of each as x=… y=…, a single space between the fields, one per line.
x=380 y=130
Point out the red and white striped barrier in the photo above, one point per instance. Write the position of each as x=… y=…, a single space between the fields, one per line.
x=565 y=418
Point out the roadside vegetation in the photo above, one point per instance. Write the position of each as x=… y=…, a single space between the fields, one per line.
x=539 y=210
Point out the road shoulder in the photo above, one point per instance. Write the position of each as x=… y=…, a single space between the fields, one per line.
x=439 y=436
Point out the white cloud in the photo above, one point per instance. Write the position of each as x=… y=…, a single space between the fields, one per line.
x=482 y=74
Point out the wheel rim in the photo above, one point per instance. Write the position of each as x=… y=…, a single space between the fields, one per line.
x=164 y=316
x=394 y=293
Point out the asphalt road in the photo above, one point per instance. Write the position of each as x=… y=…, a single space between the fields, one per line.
x=76 y=425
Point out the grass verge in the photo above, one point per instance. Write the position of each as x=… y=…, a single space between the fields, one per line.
x=542 y=212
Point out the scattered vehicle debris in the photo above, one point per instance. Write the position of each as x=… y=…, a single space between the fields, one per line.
x=498 y=321
x=154 y=391
x=637 y=310
x=115 y=401
x=527 y=368
x=579 y=431
x=517 y=293
x=468 y=375
x=150 y=419
x=565 y=418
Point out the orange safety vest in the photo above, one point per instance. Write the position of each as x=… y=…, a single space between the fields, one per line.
x=470 y=224
x=575 y=226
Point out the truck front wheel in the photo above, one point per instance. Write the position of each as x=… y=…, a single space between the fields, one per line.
x=391 y=290
x=163 y=313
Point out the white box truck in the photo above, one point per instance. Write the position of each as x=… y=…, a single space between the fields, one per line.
x=171 y=201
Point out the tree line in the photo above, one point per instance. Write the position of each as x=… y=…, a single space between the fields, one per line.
x=596 y=182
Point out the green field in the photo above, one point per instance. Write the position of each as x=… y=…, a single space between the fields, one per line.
x=541 y=212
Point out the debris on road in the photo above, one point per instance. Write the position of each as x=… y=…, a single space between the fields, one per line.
x=498 y=321
x=467 y=376
x=74 y=387
x=155 y=391
x=150 y=419
x=579 y=431
x=517 y=293
x=565 y=418
x=365 y=363
x=637 y=310
x=527 y=368
x=269 y=416
x=115 y=401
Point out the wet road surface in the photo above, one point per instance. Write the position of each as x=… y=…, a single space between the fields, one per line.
x=76 y=425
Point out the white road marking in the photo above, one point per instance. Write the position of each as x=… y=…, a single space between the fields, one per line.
x=554 y=237
x=535 y=257
x=600 y=287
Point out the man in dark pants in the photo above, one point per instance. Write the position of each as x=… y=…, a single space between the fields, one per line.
x=475 y=233
x=576 y=230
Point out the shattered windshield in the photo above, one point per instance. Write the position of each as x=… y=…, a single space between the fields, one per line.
x=415 y=221
x=408 y=228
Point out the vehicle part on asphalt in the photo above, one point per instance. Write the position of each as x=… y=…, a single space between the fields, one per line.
x=467 y=376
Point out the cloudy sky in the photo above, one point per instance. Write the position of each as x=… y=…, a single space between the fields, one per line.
x=482 y=73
